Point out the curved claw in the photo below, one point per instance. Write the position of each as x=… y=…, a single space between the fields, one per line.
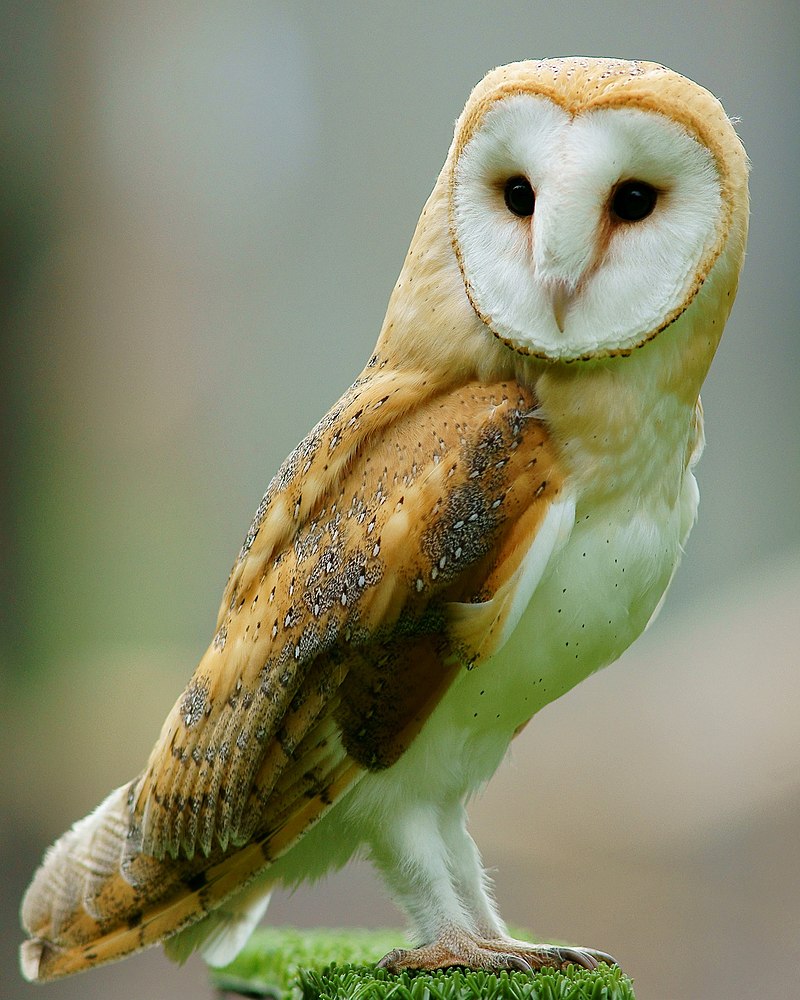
x=391 y=958
x=601 y=956
x=585 y=958
x=517 y=963
x=577 y=956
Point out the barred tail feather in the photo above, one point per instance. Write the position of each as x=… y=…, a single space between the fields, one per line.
x=73 y=926
x=76 y=866
x=61 y=901
x=85 y=907
x=66 y=937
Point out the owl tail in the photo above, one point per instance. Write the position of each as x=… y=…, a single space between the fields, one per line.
x=88 y=905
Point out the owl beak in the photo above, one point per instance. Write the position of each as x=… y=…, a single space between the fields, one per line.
x=560 y=299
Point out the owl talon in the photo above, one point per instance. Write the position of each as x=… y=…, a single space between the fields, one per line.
x=601 y=957
x=578 y=956
x=392 y=960
x=464 y=950
x=518 y=963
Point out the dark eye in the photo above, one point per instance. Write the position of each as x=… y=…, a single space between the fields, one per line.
x=519 y=196
x=633 y=200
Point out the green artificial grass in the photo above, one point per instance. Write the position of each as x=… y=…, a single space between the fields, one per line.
x=340 y=965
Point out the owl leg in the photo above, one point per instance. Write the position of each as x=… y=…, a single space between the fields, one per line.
x=444 y=887
x=412 y=856
x=469 y=877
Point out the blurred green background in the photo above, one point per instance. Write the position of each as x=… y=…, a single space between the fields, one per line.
x=204 y=209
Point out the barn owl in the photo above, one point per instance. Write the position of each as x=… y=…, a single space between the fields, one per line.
x=492 y=511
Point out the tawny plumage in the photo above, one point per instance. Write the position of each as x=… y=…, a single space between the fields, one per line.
x=491 y=512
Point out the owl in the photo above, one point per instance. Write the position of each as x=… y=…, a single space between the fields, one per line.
x=490 y=513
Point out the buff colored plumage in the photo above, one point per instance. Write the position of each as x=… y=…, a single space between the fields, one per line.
x=492 y=511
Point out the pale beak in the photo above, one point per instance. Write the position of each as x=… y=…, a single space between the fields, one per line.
x=560 y=299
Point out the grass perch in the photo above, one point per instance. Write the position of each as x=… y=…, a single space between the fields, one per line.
x=290 y=964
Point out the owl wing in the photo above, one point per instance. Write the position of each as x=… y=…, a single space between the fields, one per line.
x=388 y=554
x=334 y=646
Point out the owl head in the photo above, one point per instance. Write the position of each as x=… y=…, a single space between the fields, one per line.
x=583 y=206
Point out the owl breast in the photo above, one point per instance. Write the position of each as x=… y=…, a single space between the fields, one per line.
x=597 y=595
x=603 y=588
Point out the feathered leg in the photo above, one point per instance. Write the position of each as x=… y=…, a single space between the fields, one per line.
x=433 y=868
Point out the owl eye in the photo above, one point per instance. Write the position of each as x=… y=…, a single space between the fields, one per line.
x=519 y=196
x=633 y=200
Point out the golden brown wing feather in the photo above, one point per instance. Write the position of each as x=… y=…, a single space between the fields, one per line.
x=333 y=644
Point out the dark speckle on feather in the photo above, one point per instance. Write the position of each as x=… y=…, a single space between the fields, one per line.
x=193 y=704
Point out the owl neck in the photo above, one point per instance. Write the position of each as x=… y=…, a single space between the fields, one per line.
x=634 y=423
x=629 y=425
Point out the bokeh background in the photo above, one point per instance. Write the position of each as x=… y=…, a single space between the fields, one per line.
x=203 y=209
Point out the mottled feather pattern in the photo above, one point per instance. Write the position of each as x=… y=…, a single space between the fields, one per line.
x=380 y=395
x=365 y=578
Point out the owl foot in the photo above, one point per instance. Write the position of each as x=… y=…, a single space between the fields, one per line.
x=471 y=952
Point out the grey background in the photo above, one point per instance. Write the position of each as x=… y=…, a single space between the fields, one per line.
x=204 y=209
